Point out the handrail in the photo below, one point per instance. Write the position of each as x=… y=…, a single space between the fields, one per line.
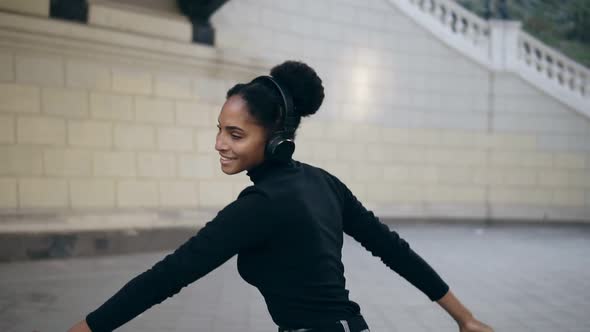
x=553 y=64
x=503 y=46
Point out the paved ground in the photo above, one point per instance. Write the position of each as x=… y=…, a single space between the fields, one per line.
x=516 y=278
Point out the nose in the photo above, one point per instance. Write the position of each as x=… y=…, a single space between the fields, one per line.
x=220 y=144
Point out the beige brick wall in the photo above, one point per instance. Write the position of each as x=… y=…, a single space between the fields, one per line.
x=125 y=121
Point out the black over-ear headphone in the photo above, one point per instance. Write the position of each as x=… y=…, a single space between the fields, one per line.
x=280 y=146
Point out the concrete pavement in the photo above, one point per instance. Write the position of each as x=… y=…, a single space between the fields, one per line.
x=514 y=277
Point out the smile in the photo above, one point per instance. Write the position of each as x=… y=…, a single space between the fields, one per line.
x=224 y=160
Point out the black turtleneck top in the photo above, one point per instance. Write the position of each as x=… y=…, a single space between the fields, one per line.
x=287 y=230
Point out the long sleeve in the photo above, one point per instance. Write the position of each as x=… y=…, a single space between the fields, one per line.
x=245 y=223
x=386 y=244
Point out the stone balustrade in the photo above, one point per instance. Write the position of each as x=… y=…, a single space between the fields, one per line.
x=553 y=65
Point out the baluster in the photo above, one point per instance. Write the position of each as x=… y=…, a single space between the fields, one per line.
x=572 y=81
x=560 y=73
x=538 y=60
x=528 y=53
x=438 y=12
x=549 y=66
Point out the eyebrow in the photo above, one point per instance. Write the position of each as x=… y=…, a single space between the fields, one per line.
x=233 y=128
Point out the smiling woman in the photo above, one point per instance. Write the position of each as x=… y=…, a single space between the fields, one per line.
x=253 y=112
x=287 y=229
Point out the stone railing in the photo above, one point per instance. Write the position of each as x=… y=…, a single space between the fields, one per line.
x=456 y=19
x=503 y=46
x=553 y=65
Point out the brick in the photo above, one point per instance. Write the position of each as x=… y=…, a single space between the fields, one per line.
x=42 y=70
x=456 y=175
x=111 y=106
x=193 y=114
x=380 y=192
x=366 y=133
x=92 y=193
x=20 y=160
x=352 y=151
x=569 y=197
x=395 y=135
x=464 y=194
x=162 y=25
x=176 y=194
x=552 y=178
x=517 y=196
x=152 y=110
x=569 y=161
x=67 y=162
x=42 y=193
x=210 y=89
x=156 y=165
x=215 y=193
x=395 y=173
x=325 y=150
x=114 y=164
x=7 y=132
x=339 y=131
x=137 y=194
x=8 y=192
x=172 y=86
x=366 y=172
x=41 y=130
x=90 y=134
x=6 y=67
x=19 y=98
x=36 y=7
x=407 y=193
x=461 y=139
x=423 y=174
x=408 y=154
x=311 y=130
x=196 y=166
x=66 y=102
x=379 y=152
x=506 y=141
x=132 y=81
x=88 y=75
x=425 y=137
x=134 y=137
x=175 y=139
x=206 y=140
x=455 y=156
x=529 y=159
x=579 y=179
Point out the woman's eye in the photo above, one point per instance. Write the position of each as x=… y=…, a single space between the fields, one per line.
x=235 y=137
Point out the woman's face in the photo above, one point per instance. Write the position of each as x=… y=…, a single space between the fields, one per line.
x=240 y=140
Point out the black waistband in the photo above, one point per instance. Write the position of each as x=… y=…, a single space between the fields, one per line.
x=353 y=324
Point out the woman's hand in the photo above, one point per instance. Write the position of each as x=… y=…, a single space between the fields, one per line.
x=473 y=325
x=81 y=326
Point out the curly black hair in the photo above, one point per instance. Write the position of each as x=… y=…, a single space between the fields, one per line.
x=263 y=100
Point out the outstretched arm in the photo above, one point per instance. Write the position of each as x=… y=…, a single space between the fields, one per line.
x=245 y=223
x=462 y=315
x=396 y=253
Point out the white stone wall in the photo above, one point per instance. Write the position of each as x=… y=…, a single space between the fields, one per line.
x=433 y=133
x=95 y=119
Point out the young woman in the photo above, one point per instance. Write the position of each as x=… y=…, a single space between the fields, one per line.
x=287 y=229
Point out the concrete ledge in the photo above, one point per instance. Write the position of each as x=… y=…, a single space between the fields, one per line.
x=27 y=246
x=37 y=246
x=139 y=20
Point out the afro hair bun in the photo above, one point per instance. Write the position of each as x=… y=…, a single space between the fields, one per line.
x=303 y=83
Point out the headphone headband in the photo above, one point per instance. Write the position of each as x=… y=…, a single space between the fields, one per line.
x=288 y=109
x=281 y=146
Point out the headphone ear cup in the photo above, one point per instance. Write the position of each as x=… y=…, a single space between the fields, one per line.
x=280 y=148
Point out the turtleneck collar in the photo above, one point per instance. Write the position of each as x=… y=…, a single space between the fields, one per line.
x=267 y=167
